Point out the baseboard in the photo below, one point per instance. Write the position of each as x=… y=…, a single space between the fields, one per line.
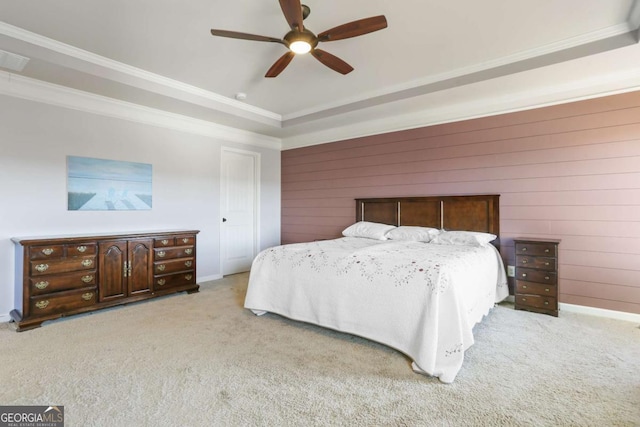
x=209 y=278
x=600 y=312
x=5 y=318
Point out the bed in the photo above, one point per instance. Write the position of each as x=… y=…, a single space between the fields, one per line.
x=420 y=298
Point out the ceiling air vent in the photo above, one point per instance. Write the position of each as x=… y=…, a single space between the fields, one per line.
x=12 y=61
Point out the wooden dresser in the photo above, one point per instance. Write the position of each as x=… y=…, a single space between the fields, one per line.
x=62 y=275
x=537 y=275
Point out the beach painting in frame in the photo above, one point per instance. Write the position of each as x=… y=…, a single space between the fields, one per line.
x=99 y=185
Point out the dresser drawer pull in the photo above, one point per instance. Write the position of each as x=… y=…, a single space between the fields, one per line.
x=81 y=249
x=161 y=267
x=524 y=299
x=47 y=251
x=188 y=251
x=546 y=250
x=42 y=304
x=524 y=249
x=524 y=274
x=161 y=282
x=546 y=263
x=524 y=286
x=546 y=303
x=161 y=254
x=524 y=261
x=87 y=262
x=546 y=277
x=42 y=267
x=42 y=285
x=87 y=296
x=165 y=242
x=185 y=240
x=546 y=289
x=188 y=263
x=188 y=277
x=87 y=278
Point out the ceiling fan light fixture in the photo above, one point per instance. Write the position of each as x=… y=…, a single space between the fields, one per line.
x=300 y=47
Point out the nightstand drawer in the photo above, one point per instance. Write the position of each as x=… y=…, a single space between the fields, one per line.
x=536 y=301
x=536 y=289
x=540 y=276
x=537 y=249
x=541 y=263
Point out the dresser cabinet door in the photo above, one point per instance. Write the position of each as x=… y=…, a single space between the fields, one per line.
x=113 y=271
x=139 y=267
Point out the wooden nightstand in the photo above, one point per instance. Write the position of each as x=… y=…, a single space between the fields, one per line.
x=537 y=275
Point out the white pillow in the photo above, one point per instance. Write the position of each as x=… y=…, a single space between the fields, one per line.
x=409 y=232
x=370 y=230
x=467 y=238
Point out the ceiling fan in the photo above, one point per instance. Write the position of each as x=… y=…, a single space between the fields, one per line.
x=300 y=40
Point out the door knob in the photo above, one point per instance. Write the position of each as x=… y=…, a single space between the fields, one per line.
x=224 y=219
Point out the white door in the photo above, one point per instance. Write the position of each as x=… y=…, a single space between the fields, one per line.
x=239 y=209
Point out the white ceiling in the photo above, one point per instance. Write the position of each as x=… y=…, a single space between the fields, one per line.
x=437 y=61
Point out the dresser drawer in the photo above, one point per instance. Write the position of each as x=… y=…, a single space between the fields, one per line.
x=540 y=276
x=536 y=301
x=185 y=240
x=63 y=282
x=173 y=280
x=164 y=241
x=65 y=265
x=536 y=289
x=62 y=301
x=537 y=262
x=46 y=252
x=537 y=249
x=82 y=249
x=170 y=253
x=172 y=266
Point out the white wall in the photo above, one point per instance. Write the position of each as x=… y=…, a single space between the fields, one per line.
x=36 y=138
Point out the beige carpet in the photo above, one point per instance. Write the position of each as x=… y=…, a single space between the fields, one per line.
x=202 y=360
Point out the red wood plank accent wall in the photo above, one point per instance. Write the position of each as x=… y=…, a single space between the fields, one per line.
x=570 y=171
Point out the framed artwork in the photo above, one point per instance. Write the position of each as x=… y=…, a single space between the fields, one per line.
x=101 y=185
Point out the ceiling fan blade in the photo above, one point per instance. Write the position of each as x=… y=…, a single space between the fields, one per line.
x=280 y=64
x=245 y=36
x=292 y=10
x=331 y=61
x=354 y=29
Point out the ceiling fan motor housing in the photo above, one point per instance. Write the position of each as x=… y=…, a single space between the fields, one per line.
x=302 y=36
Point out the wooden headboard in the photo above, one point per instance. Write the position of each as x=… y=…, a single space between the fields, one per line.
x=471 y=213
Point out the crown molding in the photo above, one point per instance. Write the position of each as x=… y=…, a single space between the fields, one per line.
x=422 y=86
x=39 y=91
x=593 y=87
x=35 y=39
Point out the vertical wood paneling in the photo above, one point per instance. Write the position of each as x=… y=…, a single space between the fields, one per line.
x=570 y=171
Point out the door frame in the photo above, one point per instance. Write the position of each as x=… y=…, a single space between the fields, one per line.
x=257 y=157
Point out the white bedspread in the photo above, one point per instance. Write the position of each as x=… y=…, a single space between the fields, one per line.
x=422 y=299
